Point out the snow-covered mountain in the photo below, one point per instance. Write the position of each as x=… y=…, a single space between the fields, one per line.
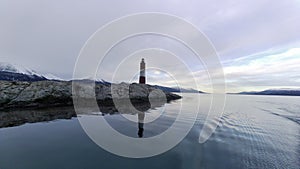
x=13 y=68
x=13 y=72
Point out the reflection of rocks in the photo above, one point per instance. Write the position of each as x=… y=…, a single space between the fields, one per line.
x=59 y=93
x=16 y=118
x=131 y=108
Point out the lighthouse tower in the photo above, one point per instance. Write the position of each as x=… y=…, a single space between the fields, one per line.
x=142 y=72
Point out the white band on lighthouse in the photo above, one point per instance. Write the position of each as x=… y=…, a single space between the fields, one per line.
x=142 y=73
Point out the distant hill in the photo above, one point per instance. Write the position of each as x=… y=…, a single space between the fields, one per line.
x=176 y=89
x=12 y=72
x=282 y=92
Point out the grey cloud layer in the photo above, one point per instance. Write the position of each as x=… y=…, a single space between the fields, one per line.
x=48 y=35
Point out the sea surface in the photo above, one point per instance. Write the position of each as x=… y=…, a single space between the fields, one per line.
x=253 y=132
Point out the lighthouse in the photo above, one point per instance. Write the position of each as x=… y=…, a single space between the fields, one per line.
x=142 y=72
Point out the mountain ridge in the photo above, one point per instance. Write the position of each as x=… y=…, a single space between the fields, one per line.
x=13 y=72
x=280 y=92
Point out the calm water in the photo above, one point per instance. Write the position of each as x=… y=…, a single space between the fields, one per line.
x=254 y=132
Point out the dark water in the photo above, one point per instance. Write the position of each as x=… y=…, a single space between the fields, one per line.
x=254 y=132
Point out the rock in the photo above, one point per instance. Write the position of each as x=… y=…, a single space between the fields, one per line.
x=59 y=93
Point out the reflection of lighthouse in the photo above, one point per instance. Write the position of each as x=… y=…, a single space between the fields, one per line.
x=142 y=72
x=141 y=117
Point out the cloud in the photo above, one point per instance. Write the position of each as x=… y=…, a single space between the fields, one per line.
x=47 y=37
x=257 y=72
x=281 y=69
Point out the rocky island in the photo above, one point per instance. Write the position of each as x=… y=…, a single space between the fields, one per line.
x=41 y=94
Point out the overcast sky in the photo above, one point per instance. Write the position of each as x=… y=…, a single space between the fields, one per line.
x=258 y=41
